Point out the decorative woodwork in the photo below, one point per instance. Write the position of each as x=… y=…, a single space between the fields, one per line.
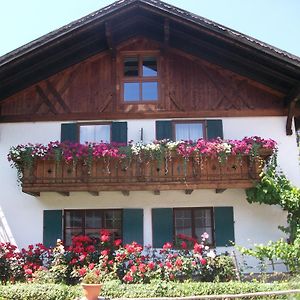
x=114 y=175
x=189 y=86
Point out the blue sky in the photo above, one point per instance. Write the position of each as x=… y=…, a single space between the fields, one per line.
x=276 y=22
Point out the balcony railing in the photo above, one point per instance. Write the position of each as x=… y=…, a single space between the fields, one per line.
x=176 y=173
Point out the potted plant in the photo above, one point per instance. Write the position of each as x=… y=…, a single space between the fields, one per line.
x=92 y=283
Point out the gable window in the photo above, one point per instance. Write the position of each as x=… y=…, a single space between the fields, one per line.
x=94 y=133
x=188 y=131
x=140 y=78
x=193 y=222
x=91 y=221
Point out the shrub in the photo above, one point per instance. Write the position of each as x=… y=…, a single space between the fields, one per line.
x=114 y=289
x=289 y=253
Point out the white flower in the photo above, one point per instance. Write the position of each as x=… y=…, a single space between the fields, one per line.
x=211 y=254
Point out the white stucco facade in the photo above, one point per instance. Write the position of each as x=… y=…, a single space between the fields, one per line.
x=22 y=215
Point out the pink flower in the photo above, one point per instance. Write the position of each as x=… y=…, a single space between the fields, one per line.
x=184 y=245
x=82 y=272
x=28 y=272
x=167 y=246
x=104 y=238
x=198 y=248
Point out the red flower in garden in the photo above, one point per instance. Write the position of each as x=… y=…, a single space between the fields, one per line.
x=105 y=252
x=91 y=266
x=151 y=265
x=28 y=272
x=184 y=245
x=128 y=277
x=90 y=248
x=117 y=242
x=142 y=268
x=82 y=272
x=168 y=265
x=198 y=248
x=178 y=262
x=167 y=246
x=104 y=232
x=105 y=238
x=203 y=261
x=133 y=269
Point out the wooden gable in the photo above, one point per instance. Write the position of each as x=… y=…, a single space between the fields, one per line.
x=189 y=87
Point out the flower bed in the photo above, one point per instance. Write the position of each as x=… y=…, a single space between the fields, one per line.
x=130 y=263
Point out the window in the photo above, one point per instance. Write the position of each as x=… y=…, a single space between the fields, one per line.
x=91 y=221
x=140 y=78
x=193 y=222
x=94 y=133
x=188 y=131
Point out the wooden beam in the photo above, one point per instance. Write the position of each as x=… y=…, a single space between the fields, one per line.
x=220 y=191
x=290 y=116
x=94 y=193
x=145 y=115
x=45 y=99
x=65 y=194
x=292 y=98
x=156 y=192
x=166 y=32
x=109 y=38
x=58 y=97
x=125 y=193
x=188 y=191
x=34 y=194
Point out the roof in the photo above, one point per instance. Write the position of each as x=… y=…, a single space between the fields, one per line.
x=87 y=36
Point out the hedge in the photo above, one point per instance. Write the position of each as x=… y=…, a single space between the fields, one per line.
x=114 y=289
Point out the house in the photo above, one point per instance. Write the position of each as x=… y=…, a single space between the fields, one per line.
x=143 y=70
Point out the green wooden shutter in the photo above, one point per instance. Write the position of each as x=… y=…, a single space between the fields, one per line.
x=214 y=129
x=224 y=226
x=119 y=132
x=52 y=227
x=164 y=130
x=133 y=226
x=162 y=226
x=69 y=132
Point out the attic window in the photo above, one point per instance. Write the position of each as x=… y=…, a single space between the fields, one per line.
x=140 y=78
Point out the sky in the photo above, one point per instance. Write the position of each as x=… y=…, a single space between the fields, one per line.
x=275 y=22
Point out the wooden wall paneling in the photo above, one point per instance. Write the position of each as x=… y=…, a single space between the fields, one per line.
x=189 y=87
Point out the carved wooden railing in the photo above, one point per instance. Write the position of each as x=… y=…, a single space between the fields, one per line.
x=113 y=175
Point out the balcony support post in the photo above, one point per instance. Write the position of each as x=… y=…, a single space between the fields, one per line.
x=125 y=193
x=65 y=194
x=94 y=193
x=188 y=191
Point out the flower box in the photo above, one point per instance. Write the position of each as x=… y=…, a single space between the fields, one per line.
x=162 y=165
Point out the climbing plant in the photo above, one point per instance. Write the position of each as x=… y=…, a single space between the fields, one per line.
x=274 y=188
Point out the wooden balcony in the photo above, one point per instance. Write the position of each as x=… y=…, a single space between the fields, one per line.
x=113 y=175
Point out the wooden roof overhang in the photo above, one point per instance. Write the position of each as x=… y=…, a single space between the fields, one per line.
x=171 y=26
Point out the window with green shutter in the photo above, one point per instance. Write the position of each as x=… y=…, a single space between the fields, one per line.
x=224 y=226
x=162 y=226
x=52 y=227
x=133 y=226
x=115 y=132
x=69 y=132
x=189 y=130
x=214 y=129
